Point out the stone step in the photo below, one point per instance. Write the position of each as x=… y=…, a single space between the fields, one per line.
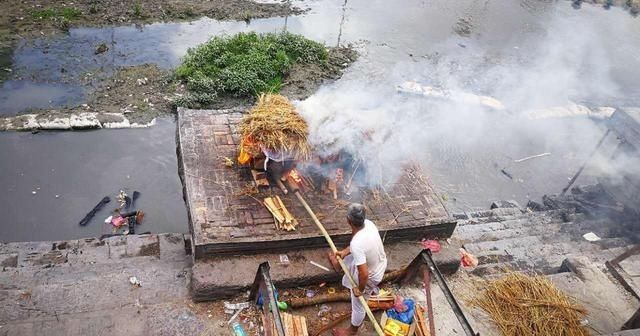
x=544 y=257
x=633 y=332
x=222 y=277
x=502 y=246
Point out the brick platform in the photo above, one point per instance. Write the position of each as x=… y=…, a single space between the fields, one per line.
x=224 y=220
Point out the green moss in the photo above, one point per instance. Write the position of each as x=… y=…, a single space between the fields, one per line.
x=137 y=10
x=67 y=13
x=247 y=63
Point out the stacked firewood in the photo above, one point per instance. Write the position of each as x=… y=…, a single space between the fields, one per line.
x=294 y=325
x=283 y=218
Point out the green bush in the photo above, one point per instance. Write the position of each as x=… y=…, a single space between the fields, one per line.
x=247 y=63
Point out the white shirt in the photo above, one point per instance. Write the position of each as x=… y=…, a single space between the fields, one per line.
x=366 y=247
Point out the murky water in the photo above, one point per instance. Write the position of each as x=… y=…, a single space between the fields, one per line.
x=413 y=40
x=70 y=172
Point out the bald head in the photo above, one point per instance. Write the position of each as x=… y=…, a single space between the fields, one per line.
x=356 y=214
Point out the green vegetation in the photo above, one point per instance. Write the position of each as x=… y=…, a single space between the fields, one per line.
x=245 y=64
x=57 y=13
x=137 y=9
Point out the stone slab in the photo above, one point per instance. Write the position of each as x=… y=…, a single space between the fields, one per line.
x=608 y=305
x=223 y=219
x=221 y=277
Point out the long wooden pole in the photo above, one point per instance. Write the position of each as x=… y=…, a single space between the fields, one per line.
x=361 y=298
x=595 y=150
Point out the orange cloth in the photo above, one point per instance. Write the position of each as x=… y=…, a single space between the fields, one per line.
x=245 y=146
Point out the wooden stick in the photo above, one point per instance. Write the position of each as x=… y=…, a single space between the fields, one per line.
x=303 y=321
x=342 y=265
x=273 y=208
x=281 y=186
x=348 y=186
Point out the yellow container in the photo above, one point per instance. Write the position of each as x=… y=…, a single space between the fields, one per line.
x=393 y=327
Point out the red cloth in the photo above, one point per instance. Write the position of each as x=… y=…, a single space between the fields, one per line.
x=432 y=245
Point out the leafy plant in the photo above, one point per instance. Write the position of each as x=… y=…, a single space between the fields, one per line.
x=246 y=64
x=137 y=9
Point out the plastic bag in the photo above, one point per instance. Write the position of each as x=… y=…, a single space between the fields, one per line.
x=406 y=316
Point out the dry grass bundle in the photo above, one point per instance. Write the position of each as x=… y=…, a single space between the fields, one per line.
x=274 y=123
x=524 y=305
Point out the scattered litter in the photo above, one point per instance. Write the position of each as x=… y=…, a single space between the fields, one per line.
x=322 y=284
x=118 y=221
x=142 y=81
x=234 y=315
x=284 y=259
x=468 y=259
x=319 y=266
x=236 y=306
x=228 y=162
x=57 y=196
x=331 y=290
x=122 y=198
x=432 y=245
x=506 y=173
x=93 y=211
x=134 y=281
x=592 y=237
x=324 y=310
x=531 y=157
x=108 y=220
x=238 y=330
x=34 y=192
x=101 y=48
x=310 y=293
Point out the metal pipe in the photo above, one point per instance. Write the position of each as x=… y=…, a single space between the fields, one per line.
x=433 y=268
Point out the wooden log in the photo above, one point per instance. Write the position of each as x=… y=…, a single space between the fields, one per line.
x=303 y=322
x=273 y=208
x=288 y=218
x=421 y=324
x=281 y=186
x=343 y=296
x=296 y=325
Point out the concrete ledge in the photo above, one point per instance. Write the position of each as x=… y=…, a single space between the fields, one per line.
x=221 y=277
x=73 y=121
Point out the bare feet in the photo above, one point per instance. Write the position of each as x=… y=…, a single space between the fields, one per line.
x=343 y=332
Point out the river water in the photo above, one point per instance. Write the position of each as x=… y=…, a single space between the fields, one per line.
x=477 y=44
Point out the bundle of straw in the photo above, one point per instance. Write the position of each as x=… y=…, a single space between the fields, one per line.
x=274 y=123
x=524 y=305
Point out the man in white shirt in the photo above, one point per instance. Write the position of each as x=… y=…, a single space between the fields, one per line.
x=366 y=260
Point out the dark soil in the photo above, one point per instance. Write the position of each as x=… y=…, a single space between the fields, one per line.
x=305 y=79
x=141 y=92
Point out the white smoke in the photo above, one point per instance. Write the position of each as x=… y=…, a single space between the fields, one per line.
x=570 y=62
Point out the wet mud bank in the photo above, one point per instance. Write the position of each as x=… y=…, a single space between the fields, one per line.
x=134 y=96
x=34 y=18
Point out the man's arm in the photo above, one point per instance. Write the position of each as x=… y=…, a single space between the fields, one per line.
x=345 y=252
x=363 y=277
